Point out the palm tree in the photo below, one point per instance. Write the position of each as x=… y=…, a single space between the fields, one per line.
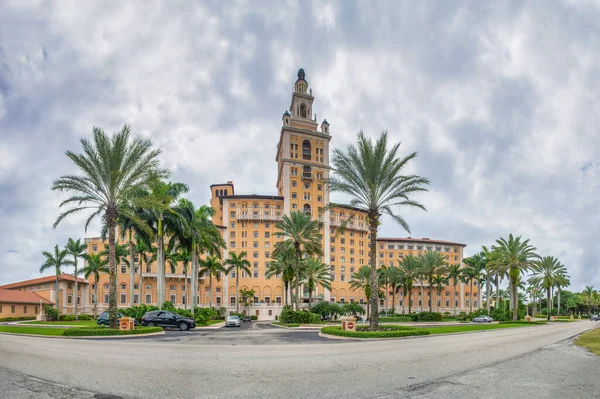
x=56 y=261
x=239 y=263
x=211 y=267
x=165 y=221
x=246 y=295
x=410 y=270
x=394 y=279
x=469 y=275
x=301 y=236
x=76 y=249
x=145 y=252
x=455 y=274
x=546 y=272
x=315 y=273
x=431 y=263
x=282 y=267
x=114 y=169
x=184 y=257
x=96 y=264
x=512 y=257
x=562 y=280
x=439 y=282
x=589 y=293
x=373 y=176
x=361 y=280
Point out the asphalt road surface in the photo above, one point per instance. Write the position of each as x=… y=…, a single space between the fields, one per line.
x=262 y=361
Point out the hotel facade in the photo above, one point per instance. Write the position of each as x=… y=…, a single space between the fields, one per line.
x=248 y=224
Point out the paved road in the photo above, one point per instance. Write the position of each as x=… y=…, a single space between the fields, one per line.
x=540 y=361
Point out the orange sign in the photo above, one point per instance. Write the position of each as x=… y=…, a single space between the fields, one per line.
x=350 y=325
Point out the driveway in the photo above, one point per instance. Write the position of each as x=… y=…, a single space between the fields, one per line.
x=533 y=362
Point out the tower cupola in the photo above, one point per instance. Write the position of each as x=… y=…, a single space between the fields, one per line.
x=301 y=84
x=325 y=126
x=286 y=118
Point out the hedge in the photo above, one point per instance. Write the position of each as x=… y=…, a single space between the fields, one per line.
x=103 y=331
x=17 y=318
x=361 y=332
x=71 y=317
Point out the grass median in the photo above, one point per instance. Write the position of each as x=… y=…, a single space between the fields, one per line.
x=62 y=323
x=105 y=331
x=590 y=340
x=32 y=330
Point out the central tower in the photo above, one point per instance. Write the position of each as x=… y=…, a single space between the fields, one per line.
x=303 y=160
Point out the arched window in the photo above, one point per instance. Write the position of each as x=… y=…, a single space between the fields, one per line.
x=307 y=171
x=225 y=191
x=303 y=111
x=255 y=205
x=307 y=209
x=306 y=150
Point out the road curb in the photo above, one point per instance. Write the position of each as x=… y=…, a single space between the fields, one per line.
x=88 y=337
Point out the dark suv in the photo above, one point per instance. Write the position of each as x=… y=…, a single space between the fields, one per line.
x=163 y=318
x=104 y=320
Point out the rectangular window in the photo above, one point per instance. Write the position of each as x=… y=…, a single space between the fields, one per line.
x=255 y=244
x=24 y=308
x=267 y=244
x=232 y=244
x=232 y=215
x=123 y=286
x=105 y=298
x=255 y=254
x=278 y=300
x=136 y=270
x=123 y=269
x=148 y=269
x=255 y=274
x=136 y=299
x=294 y=195
x=69 y=285
x=267 y=255
x=69 y=299
x=232 y=234
x=12 y=308
x=172 y=298
x=148 y=286
x=232 y=301
x=136 y=286
x=255 y=234
x=94 y=247
x=123 y=299
x=93 y=299
x=35 y=310
x=267 y=234
x=342 y=277
x=232 y=225
x=148 y=298
x=172 y=288
x=218 y=300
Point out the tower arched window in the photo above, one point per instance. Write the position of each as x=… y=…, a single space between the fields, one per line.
x=306 y=150
x=306 y=171
x=307 y=209
x=225 y=191
x=303 y=111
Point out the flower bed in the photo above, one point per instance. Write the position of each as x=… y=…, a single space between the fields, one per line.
x=104 y=331
x=383 y=332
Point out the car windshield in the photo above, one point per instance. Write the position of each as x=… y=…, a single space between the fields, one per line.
x=231 y=318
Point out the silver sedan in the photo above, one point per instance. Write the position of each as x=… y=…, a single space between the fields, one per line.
x=482 y=319
x=233 y=321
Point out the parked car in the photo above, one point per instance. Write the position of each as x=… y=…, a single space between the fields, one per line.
x=103 y=319
x=482 y=319
x=247 y=318
x=233 y=321
x=595 y=317
x=163 y=318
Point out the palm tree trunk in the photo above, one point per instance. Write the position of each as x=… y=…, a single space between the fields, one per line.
x=194 y=279
x=285 y=293
x=515 y=300
x=76 y=288
x=497 y=290
x=548 y=303
x=210 y=276
x=454 y=295
x=160 y=281
x=131 y=270
x=558 y=310
x=373 y=226
x=57 y=296
x=394 y=299
x=409 y=300
x=488 y=293
x=471 y=301
x=430 y=296
x=422 y=297
x=309 y=297
x=141 y=280
x=111 y=217
x=237 y=289
x=187 y=291
x=96 y=297
x=297 y=282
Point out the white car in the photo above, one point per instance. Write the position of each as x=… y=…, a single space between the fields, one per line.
x=482 y=319
x=233 y=321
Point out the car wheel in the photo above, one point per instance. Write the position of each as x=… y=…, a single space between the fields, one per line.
x=150 y=324
x=183 y=326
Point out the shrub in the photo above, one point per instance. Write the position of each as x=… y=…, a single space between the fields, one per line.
x=137 y=312
x=426 y=316
x=17 y=318
x=51 y=313
x=386 y=332
x=253 y=317
x=446 y=314
x=221 y=312
x=353 y=309
x=203 y=315
x=71 y=317
x=328 y=310
x=238 y=314
x=302 y=316
x=103 y=331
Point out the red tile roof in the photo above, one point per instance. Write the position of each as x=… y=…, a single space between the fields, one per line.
x=42 y=280
x=421 y=240
x=14 y=296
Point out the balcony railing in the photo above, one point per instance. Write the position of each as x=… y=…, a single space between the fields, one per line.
x=258 y=214
x=353 y=224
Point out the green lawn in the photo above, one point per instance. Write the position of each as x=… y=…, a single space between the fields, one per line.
x=65 y=323
x=286 y=325
x=32 y=330
x=211 y=322
x=407 y=319
x=474 y=327
x=590 y=340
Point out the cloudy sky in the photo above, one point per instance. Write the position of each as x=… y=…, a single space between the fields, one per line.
x=501 y=100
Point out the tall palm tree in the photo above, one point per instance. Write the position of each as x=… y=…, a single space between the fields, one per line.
x=589 y=293
x=211 y=267
x=199 y=235
x=56 y=261
x=144 y=250
x=301 y=235
x=373 y=176
x=76 y=249
x=165 y=221
x=114 y=169
x=431 y=263
x=513 y=257
x=361 y=280
x=315 y=273
x=546 y=272
x=96 y=264
x=410 y=270
x=394 y=279
x=439 y=282
x=469 y=275
x=239 y=263
x=282 y=266
x=454 y=274
x=562 y=280
x=184 y=257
